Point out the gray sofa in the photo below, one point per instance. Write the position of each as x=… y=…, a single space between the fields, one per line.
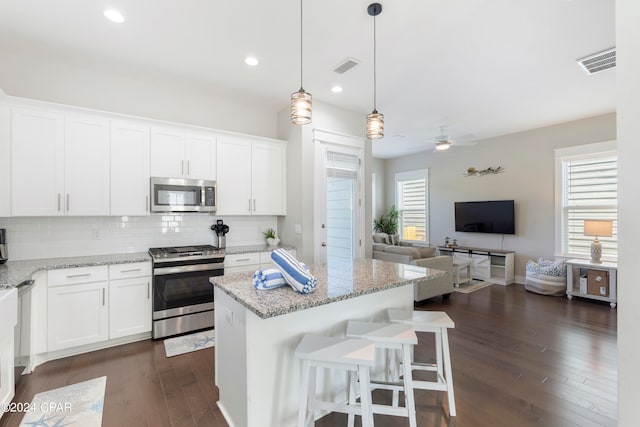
x=405 y=253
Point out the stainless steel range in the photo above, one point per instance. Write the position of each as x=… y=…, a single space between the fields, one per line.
x=182 y=294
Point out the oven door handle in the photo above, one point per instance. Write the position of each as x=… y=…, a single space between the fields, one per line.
x=187 y=268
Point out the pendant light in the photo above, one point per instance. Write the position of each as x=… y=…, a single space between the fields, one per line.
x=301 y=100
x=375 y=120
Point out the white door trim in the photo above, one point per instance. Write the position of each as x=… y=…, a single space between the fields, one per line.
x=323 y=140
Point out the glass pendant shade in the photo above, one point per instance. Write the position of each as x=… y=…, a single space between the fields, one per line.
x=301 y=107
x=375 y=125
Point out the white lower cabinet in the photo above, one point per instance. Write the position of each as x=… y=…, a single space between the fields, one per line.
x=238 y=263
x=77 y=315
x=129 y=300
x=87 y=305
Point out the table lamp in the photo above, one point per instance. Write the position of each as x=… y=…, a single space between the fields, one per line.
x=602 y=228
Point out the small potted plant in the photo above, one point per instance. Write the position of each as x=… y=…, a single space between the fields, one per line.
x=272 y=239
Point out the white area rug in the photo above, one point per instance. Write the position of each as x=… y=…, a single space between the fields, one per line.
x=474 y=285
x=76 y=404
x=188 y=343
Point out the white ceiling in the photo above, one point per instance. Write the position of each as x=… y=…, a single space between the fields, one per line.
x=480 y=68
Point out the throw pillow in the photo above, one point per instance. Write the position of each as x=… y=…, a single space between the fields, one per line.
x=394 y=238
x=381 y=238
x=426 y=252
x=403 y=250
x=380 y=247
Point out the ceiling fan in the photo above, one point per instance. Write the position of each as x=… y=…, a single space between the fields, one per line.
x=444 y=142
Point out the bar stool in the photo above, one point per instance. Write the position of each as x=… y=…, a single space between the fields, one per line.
x=353 y=355
x=436 y=322
x=393 y=337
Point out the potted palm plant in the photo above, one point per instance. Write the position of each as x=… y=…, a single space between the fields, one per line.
x=387 y=222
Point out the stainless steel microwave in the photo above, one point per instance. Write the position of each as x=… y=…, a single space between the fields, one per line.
x=183 y=195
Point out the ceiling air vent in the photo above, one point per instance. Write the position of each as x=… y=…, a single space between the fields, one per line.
x=599 y=61
x=346 y=65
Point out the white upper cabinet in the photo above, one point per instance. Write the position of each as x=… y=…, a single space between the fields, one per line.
x=179 y=154
x=37 y=162
x=250 y=176
x=129 y=168
x=86 y=167
x=234 y=176
x=5 y=160
x=268 y=178
x=59 y=166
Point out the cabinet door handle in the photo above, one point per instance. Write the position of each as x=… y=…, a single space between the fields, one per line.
x=58 y=202
x=67 y=202
x=182 y=169
x=188 y=168
x=254 y=205
x=78 y=275
x=146 y=203
x=148 y=291
x=243 y=259
x=131 y=271
x=249 y=204
x=103 y=293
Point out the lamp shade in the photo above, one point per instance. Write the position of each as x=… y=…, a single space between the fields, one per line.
x=301 y=107
x=598 y=228
x=375 y=125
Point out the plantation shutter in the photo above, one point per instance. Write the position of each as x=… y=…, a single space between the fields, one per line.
x=412 y=206
x=591 y=192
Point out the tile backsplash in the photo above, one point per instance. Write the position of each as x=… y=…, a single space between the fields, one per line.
x=50 y=237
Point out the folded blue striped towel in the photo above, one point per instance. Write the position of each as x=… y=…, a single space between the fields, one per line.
x=294 y=272
x=270 y=278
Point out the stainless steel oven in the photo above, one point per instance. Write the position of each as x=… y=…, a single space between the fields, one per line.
x=182 y=293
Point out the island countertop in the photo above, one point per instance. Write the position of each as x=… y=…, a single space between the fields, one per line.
x=337 y=281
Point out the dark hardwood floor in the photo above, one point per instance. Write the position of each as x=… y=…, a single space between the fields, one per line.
x=519 y=359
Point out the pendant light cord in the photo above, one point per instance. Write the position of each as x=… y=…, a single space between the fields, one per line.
x=301 y=62
x=374 y=63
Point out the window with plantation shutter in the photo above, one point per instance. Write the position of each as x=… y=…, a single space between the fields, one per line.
x=411 y=203
x=589 y=191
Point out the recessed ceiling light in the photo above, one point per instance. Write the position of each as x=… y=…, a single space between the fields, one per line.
x=114 y=16
x=252 y=61
x=336 y=89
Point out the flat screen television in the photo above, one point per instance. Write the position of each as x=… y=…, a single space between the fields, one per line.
x=495 y=216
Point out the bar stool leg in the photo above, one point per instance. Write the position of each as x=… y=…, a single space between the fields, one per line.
x=395 y=376
x=449 y=375
x=408 y=384
x=304 y=394
x=352 y=396
x=365 y=397
x=438 y=337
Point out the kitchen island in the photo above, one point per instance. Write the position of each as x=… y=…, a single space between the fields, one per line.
x=258 y=331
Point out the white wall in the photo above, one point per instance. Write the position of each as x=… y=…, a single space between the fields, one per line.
x=51 y=237
x=378 y=167
x=528 y=160
x=628 y=100
x=300 y=166
x=134 y=92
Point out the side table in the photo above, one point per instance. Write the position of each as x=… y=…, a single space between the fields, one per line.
x=458 y=266
x=574 y=268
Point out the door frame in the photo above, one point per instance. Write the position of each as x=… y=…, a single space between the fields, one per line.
x=348 y=144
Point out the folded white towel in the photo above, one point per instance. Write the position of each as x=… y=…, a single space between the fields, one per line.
x=294 y=271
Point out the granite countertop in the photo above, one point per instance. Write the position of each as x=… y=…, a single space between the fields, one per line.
x=12 y=273
x=235 y=250
x=336 y=281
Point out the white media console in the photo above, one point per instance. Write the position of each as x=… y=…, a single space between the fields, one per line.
x=491 y=265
